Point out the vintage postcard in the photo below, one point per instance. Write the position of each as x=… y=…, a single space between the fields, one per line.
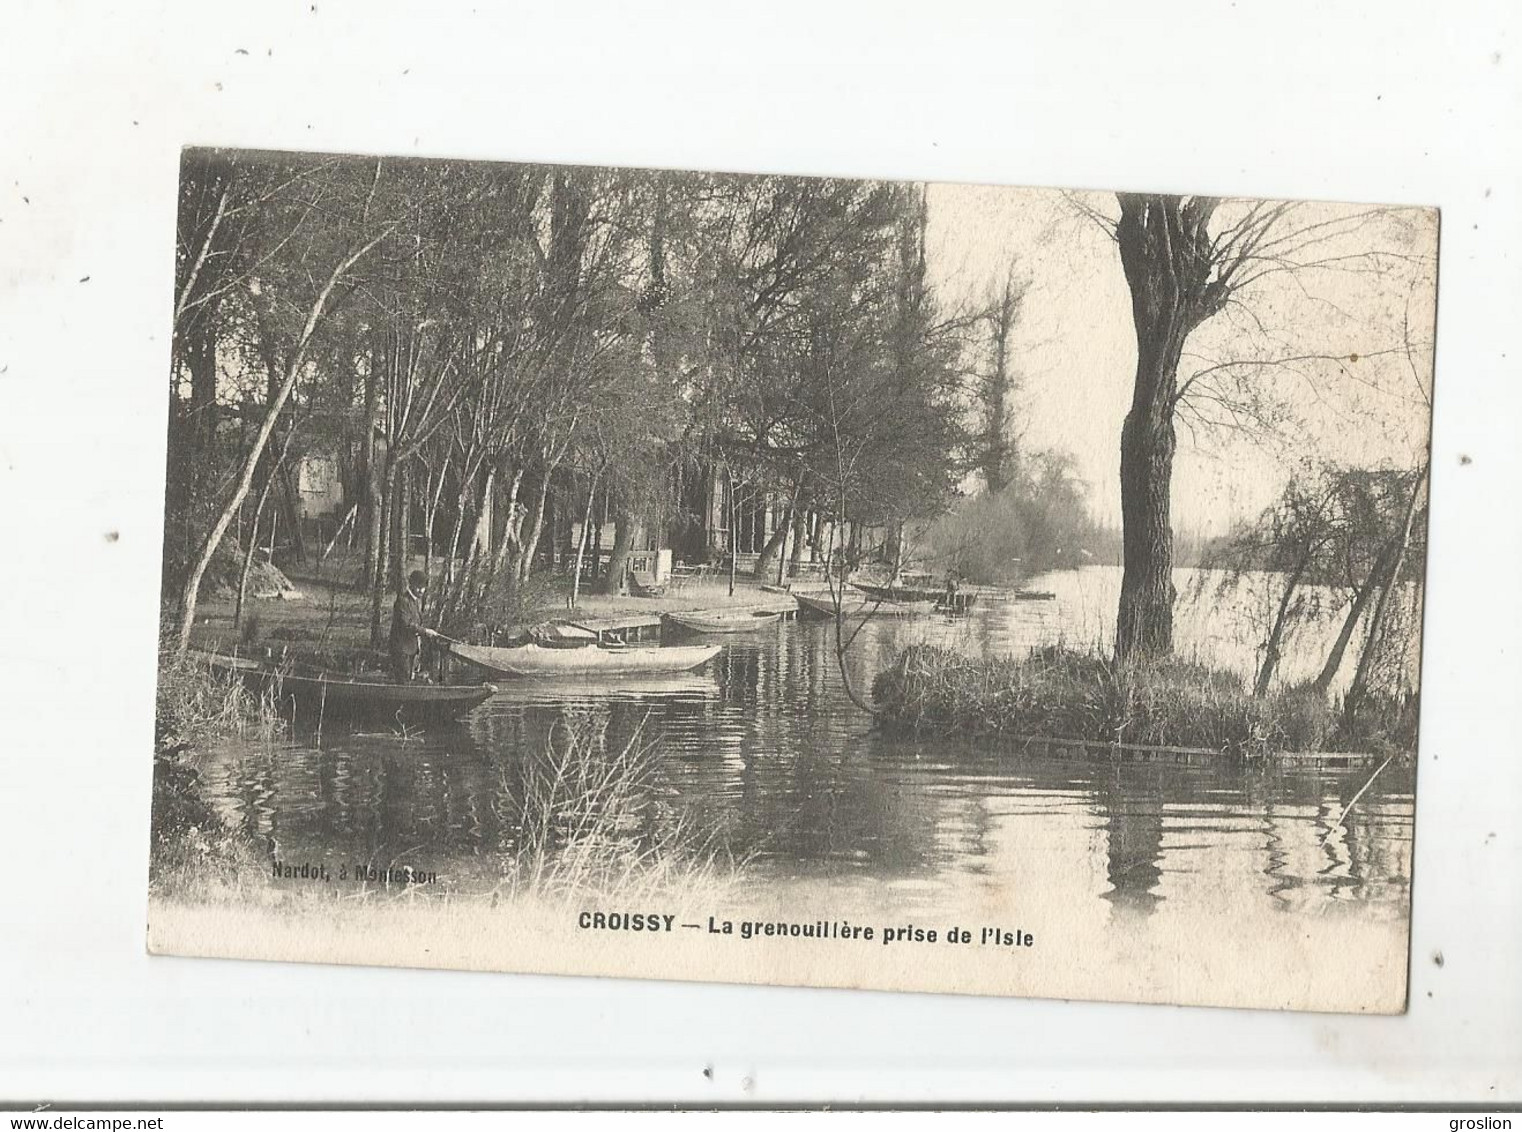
x=792 y=580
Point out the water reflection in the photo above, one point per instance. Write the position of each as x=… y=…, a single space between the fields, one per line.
x=764 y=748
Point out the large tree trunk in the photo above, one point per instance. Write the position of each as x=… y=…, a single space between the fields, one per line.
x=1144 y=625
x=1169 y=263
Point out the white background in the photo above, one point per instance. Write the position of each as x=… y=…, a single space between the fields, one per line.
x=1409 y=102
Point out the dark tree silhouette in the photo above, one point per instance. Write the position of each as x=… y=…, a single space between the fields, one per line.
x=1185 y=260
x=998 y=387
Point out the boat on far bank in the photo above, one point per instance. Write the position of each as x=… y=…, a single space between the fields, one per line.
x=534 y=660
x=324 y=695
x=901 y=594
x=854 y=605
x=722 y=620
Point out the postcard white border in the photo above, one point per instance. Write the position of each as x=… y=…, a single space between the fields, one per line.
x=1397 y=102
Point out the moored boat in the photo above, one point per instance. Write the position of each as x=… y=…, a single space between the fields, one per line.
x=329 y=695
x=1034 y=595
x=901 y=594
x=722 y=620
x=593 y=660
x=855 y=606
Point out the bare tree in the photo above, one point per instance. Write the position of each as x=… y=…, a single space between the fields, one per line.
x=1186 y=259
x=997 y=387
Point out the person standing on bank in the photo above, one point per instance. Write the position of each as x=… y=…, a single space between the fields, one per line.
x=407 y=628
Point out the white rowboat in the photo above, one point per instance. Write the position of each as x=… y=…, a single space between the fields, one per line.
x=854 y=606
x=722 y=620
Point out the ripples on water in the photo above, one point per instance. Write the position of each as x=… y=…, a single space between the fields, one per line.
x=764 y=745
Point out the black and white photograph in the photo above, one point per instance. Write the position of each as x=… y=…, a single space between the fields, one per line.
x=792 y=580
x=841 y=556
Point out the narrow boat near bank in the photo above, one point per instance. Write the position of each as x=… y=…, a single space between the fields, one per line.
x=901 y=594
x=722 y=620
x=855 y=606
x=1034 y=595
x=533 y=660
x=325 y=695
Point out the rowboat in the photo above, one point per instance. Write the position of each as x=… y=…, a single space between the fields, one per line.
x=1034 y=595
x=722 y=620
x=855 y=606
x=900 y=593
x=328 y=695
x=593 y=660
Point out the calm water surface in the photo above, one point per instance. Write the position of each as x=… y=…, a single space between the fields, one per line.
x=764 y=747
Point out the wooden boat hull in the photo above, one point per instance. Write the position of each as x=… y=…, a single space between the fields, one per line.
x=534 y=661
x=1034 y=595
x=327 y=695
x=854 y=607
x=903 y=595
x=722 y=621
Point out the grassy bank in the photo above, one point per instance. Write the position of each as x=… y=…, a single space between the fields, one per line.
x=1060 y=693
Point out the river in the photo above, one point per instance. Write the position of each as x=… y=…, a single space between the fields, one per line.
x=764 y=752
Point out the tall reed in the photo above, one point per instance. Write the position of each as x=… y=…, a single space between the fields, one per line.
x=594 y=816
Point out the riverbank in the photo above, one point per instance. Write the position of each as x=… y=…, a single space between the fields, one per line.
x=329 y=623
x=1062 y=694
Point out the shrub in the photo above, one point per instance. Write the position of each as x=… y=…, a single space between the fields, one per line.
x=1060 y=693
